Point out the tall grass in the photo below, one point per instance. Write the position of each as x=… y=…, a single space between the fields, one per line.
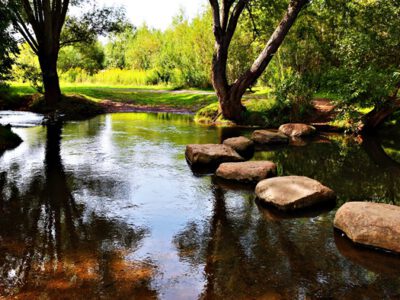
x=112 y=77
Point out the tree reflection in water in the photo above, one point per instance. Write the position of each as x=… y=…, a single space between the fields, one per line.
x=50 y=247
x=252 y=252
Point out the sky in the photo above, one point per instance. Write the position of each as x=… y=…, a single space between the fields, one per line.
x=157 y=13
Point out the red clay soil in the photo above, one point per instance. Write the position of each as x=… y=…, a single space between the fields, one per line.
x=323 y=113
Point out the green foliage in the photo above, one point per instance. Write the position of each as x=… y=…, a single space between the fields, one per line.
x=116 y=48
x=8 y=46
x=111 y=77
x=88 y=57
x=294 y=92
x=180 y=56
x=365 y=60
x=92 y=22
x=259 y=112
x=27 y=68
x=142 y=50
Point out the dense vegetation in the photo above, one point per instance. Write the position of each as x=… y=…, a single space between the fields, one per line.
x=346 y=51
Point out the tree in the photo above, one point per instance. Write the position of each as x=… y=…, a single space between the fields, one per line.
x=88 y=57
x=226 y=14
x=45 y=26
x=8 y=45
x=360 y=42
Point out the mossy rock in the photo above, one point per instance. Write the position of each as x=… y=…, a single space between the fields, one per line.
x=8 y=139
x=256 y=114
x=208 y=114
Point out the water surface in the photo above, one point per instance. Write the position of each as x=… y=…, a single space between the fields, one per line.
x=108 y=208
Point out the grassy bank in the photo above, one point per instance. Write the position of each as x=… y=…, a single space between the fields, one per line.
x=191 y=100
x=84 y=100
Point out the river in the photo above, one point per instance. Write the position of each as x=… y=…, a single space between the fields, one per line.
x=109 y=209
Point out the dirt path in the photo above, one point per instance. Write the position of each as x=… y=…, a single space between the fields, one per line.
x=176 y=92
x=116 y=107
x=324 y=111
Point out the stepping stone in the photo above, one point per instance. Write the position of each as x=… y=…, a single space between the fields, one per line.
x=297 y=130
x=250 y=171
x=293 y=192
x=371 y=224
x=211 y=154
x=268 y=137
x=241 y=145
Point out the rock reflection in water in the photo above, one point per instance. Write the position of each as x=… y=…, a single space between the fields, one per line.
x=50 y=248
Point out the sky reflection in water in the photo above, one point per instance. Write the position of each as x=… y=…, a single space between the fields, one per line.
x=112 y=210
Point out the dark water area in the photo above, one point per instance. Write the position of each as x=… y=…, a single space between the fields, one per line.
x=109 y=209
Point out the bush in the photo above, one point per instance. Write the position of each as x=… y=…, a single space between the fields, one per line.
x=264 y=113
x=112 y=77
x=296 y=93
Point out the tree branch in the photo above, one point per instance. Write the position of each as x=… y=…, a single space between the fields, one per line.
x=27 y=36
x=31 y=17
x=24 y=31
x=234 y=19
x=272 y=46
x=216 y=19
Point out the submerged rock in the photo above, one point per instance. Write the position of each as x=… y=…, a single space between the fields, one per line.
x=242 y=145
x=371 y=224
x=268 y=137
x=8 y=139
x=211 y=154
x=293 y=192
x=297 y=130
x=250 y=171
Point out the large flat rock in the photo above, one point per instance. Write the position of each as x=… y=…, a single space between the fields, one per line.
x=371 y=224
x=269 y=137
x=297 y=130
x=211 y=154
x=293 y=192
x=250 y=171
x=241 y=145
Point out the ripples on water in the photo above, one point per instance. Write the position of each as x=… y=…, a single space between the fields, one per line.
x=108 y=208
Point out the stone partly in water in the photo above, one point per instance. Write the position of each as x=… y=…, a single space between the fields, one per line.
x=293 y=192
x=251 y=171
x=211 y=154
x=8 y=139
x=297 y=130
x=242 y=145
x=371 y=224
x=268 y=137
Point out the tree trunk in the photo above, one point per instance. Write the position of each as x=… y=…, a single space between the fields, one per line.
x=231 y=106
x=379 y=115
x=225 y=22
x=51 y=83
x=230 y=102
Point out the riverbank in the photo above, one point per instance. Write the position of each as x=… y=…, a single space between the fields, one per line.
x=83 y=101
x=128 y=99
